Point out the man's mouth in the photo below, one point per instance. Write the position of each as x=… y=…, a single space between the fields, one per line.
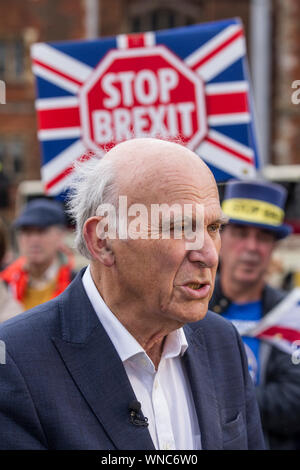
x=248 y=266
x=250 y=261
x=195 y=285
x=196 y=290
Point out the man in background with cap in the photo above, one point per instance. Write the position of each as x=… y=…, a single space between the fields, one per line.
x=43 y=271
x=255 y=211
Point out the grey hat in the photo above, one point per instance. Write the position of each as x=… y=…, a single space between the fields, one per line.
x=41 y=213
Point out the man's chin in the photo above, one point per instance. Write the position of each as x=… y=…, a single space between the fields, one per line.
x=194 y=314
x=247 y=279
x=185 y=311
x=35 y=260
x=198 y=317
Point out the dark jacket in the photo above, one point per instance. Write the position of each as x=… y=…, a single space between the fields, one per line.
x=65 y=387
x=278 y=394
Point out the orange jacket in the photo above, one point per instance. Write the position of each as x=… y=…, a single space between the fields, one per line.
x=17 y=277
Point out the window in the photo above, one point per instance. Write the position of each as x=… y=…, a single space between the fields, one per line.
x=12 y=152
x=165 y=14
x=12 y=60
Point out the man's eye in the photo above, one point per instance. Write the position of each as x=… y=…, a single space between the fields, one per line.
x=213 y=228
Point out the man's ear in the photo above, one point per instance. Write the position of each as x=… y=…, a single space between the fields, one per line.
x=99 y=248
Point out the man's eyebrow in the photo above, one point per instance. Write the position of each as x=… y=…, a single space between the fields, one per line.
x=222 y=220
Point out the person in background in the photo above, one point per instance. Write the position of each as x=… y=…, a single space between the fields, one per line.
x=255 y=211
x=9 y=307
x=43 y=270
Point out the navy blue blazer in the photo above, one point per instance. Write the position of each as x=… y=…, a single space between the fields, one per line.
x=63 y=385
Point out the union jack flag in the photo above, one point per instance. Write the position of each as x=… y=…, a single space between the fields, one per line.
x=281 y=326
x=214 y=51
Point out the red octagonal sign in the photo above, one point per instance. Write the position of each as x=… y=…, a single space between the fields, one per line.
x=142 y=92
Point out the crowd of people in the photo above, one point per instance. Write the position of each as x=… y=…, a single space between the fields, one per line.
x=147 y=322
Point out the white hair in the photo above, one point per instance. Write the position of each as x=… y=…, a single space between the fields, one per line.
x=93 y=184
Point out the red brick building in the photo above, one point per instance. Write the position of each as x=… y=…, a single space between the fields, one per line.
x=273 y=37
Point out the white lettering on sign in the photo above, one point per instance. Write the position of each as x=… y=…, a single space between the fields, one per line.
x=143 y=79
x=143 y=91
x=145 y=86
x=102 y=126
x=163 y=120
x=168 y=79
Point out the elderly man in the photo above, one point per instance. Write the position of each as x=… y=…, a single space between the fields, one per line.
x=255 y=211
x=43 y=270
x=128 y=356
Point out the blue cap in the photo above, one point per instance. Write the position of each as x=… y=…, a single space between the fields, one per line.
x=259 y=203
x=41 y=213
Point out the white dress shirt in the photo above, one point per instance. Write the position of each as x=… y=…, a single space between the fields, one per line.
x=164 y=393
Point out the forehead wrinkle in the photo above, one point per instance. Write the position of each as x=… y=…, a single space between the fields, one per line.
x=202 y=189
x=182 y=175
x=173 y=192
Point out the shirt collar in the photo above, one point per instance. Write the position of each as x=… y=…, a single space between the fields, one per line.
x=176 y=344
x=124 y=343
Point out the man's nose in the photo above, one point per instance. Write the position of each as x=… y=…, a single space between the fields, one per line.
x=33 y=237
x=251 y=243
x=207 y=254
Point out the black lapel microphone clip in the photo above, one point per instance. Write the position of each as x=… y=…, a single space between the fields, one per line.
x=136 y=417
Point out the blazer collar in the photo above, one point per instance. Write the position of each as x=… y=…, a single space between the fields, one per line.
x=96 y=368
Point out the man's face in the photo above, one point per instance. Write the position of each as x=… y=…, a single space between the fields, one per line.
x=246 y=253
x=165 y=279
x=40 y=245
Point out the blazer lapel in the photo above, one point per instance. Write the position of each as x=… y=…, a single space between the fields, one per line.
x=97 y=370
x=203 y=389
